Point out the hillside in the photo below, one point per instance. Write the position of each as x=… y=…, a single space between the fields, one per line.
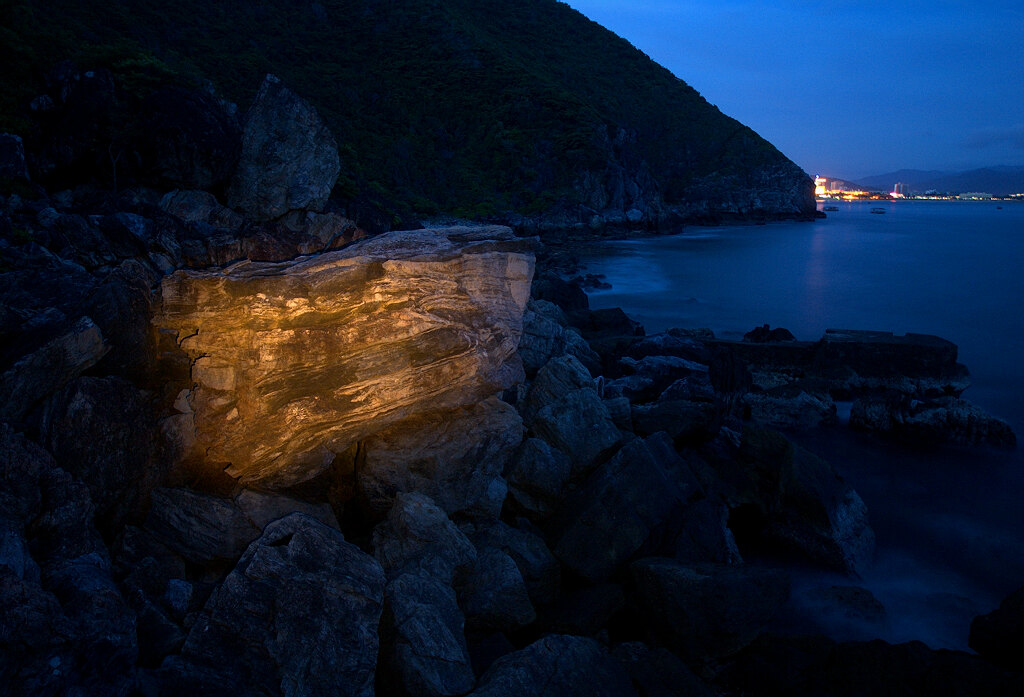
x=483 y=108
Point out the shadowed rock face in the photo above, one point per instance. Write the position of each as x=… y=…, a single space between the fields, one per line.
x=289 y=157
x=294 y=361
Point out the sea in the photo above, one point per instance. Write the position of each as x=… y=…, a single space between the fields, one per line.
x=949 y=523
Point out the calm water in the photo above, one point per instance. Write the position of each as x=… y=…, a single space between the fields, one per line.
x=950 y=526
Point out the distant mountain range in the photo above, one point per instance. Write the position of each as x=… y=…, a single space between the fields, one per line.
x=999 y=181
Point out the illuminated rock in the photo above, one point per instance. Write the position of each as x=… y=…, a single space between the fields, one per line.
x=294 y=361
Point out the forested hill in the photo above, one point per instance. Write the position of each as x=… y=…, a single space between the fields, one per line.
x=481 y=108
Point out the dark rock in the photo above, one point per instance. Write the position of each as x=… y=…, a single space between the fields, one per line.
x=999 y=635
x=642 y=489
x=565 y=294
x=418 y=536
x=790 y=407
x=620 y=413
x=159 y=637
x=63 y=529
x=706 y=612
x=682 y=419
x=673 y=343
x=537 y=477
x=48 y=369
x=12 y=157
x=657 y=672
x=300 y=579
x=647 y=378
x=849 y=363
x=546 y=335
x=263 y=508
x=610 y=333
x=945 y=420
x=783 y=495
x=847 y=613
x=35 y=637
x=424 y=650
x=493 y=595
x=94 y=647
x=556 y=666
x=584 y=612
x=486 y=648
x=693 y=388
x=559 y=375
x=452 y=457
x=289 y=159
x=765 y=334
x=200 y=206
x=188 y=139
x=201 y=528
x=536 y=564
x=564 y=409
x=101 y=431
x=121 y=306
x=703 y=535
x=22 y=463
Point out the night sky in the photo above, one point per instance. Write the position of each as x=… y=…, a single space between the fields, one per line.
x=848 y=89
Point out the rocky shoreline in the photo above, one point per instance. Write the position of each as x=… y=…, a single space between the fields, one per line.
x=245 y=450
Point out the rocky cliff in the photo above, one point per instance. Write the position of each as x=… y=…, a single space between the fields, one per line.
x=247 y=456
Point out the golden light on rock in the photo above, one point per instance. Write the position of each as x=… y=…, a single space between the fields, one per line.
x=294 y=361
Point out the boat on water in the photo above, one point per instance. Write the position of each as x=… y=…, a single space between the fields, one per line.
x=880 y=211
x=831 y=208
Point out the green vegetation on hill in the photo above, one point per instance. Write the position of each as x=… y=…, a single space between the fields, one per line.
x=471 y=106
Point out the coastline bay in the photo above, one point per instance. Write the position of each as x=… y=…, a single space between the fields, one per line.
x=950 y=539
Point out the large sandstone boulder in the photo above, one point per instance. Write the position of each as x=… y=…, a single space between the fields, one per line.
x=300 y=579
x=295 y=361
x=289 y=158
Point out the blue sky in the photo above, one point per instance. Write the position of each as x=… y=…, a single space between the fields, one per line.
x=848 y=89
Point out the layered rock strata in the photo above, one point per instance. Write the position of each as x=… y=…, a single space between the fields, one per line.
x=292 y=362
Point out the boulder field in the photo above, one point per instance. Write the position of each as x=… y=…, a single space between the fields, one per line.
x=242 y=455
